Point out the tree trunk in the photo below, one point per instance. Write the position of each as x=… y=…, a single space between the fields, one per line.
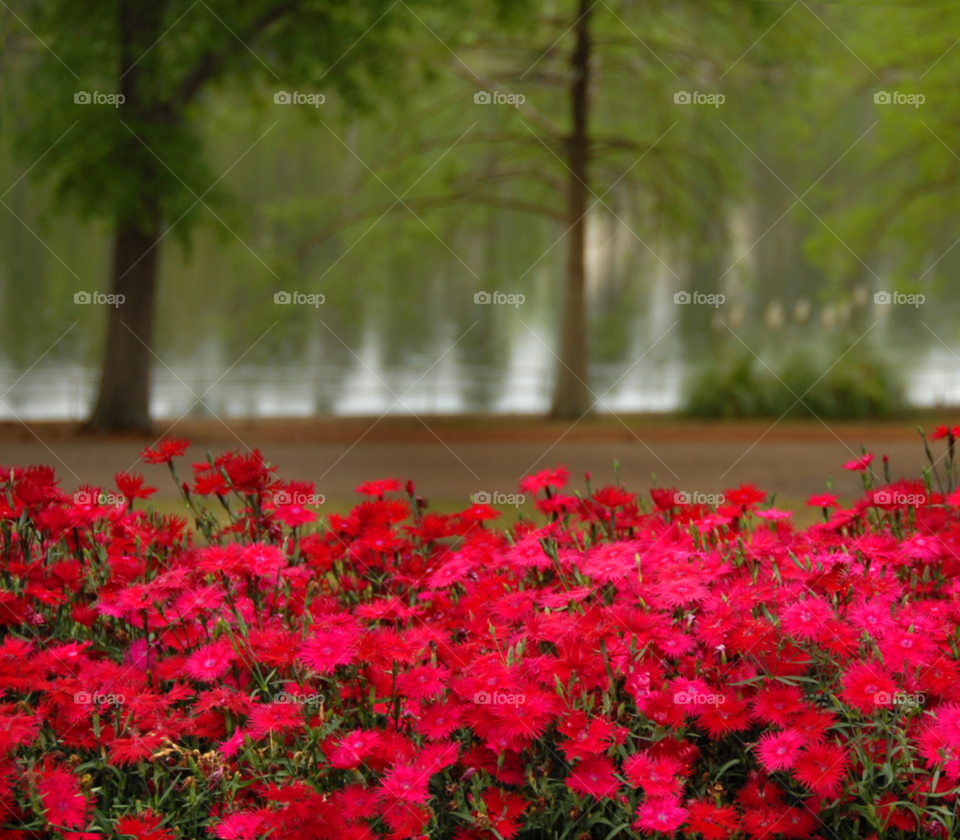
x=572 y=396
x=124 y=401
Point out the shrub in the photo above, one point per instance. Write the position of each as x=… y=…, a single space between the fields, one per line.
x=612 y=669
x=857 y=387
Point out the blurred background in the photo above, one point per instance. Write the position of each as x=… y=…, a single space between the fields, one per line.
x=707 y=209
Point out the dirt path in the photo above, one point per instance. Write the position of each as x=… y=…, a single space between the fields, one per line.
x=456 y=457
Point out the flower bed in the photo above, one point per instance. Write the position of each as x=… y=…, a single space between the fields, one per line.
x=614 y=669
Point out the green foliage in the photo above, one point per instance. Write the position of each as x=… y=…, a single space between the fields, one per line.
x=145 y=160
x=859 y=385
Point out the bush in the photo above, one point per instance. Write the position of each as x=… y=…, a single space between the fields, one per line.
x=855 y=387
x=613 y=670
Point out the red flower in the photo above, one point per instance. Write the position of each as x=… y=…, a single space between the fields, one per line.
x=807 y=620
x=275 y=717
x=125 y=751
x=533 y=484
x=711 y=821
x=867 y=686
x=611 y=497
x=593 y=777
x=778 y=750
x=664 y=815
x=165 y=450
x=822 y=768
x=325 y=651
x=859 y=464
x=131 y=486
x=61 y=797
x=779 y=704
x=406 y=783
x=824 y=500
x=503 y=809
x=353 y=748
x=423 y=682
x=144 y=826
x=241 y=825
x=379 y=488
x=211 y=662
x=940 y=432
x=657 y=777
x=745 y=496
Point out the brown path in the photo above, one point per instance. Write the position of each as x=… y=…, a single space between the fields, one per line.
x=456 y=457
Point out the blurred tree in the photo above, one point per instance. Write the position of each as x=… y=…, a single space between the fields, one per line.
x=580 y=116
x=140 y=166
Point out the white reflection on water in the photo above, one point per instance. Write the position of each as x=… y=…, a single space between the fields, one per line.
x=369 y=388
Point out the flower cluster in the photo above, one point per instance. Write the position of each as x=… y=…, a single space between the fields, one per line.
x=608 y=667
